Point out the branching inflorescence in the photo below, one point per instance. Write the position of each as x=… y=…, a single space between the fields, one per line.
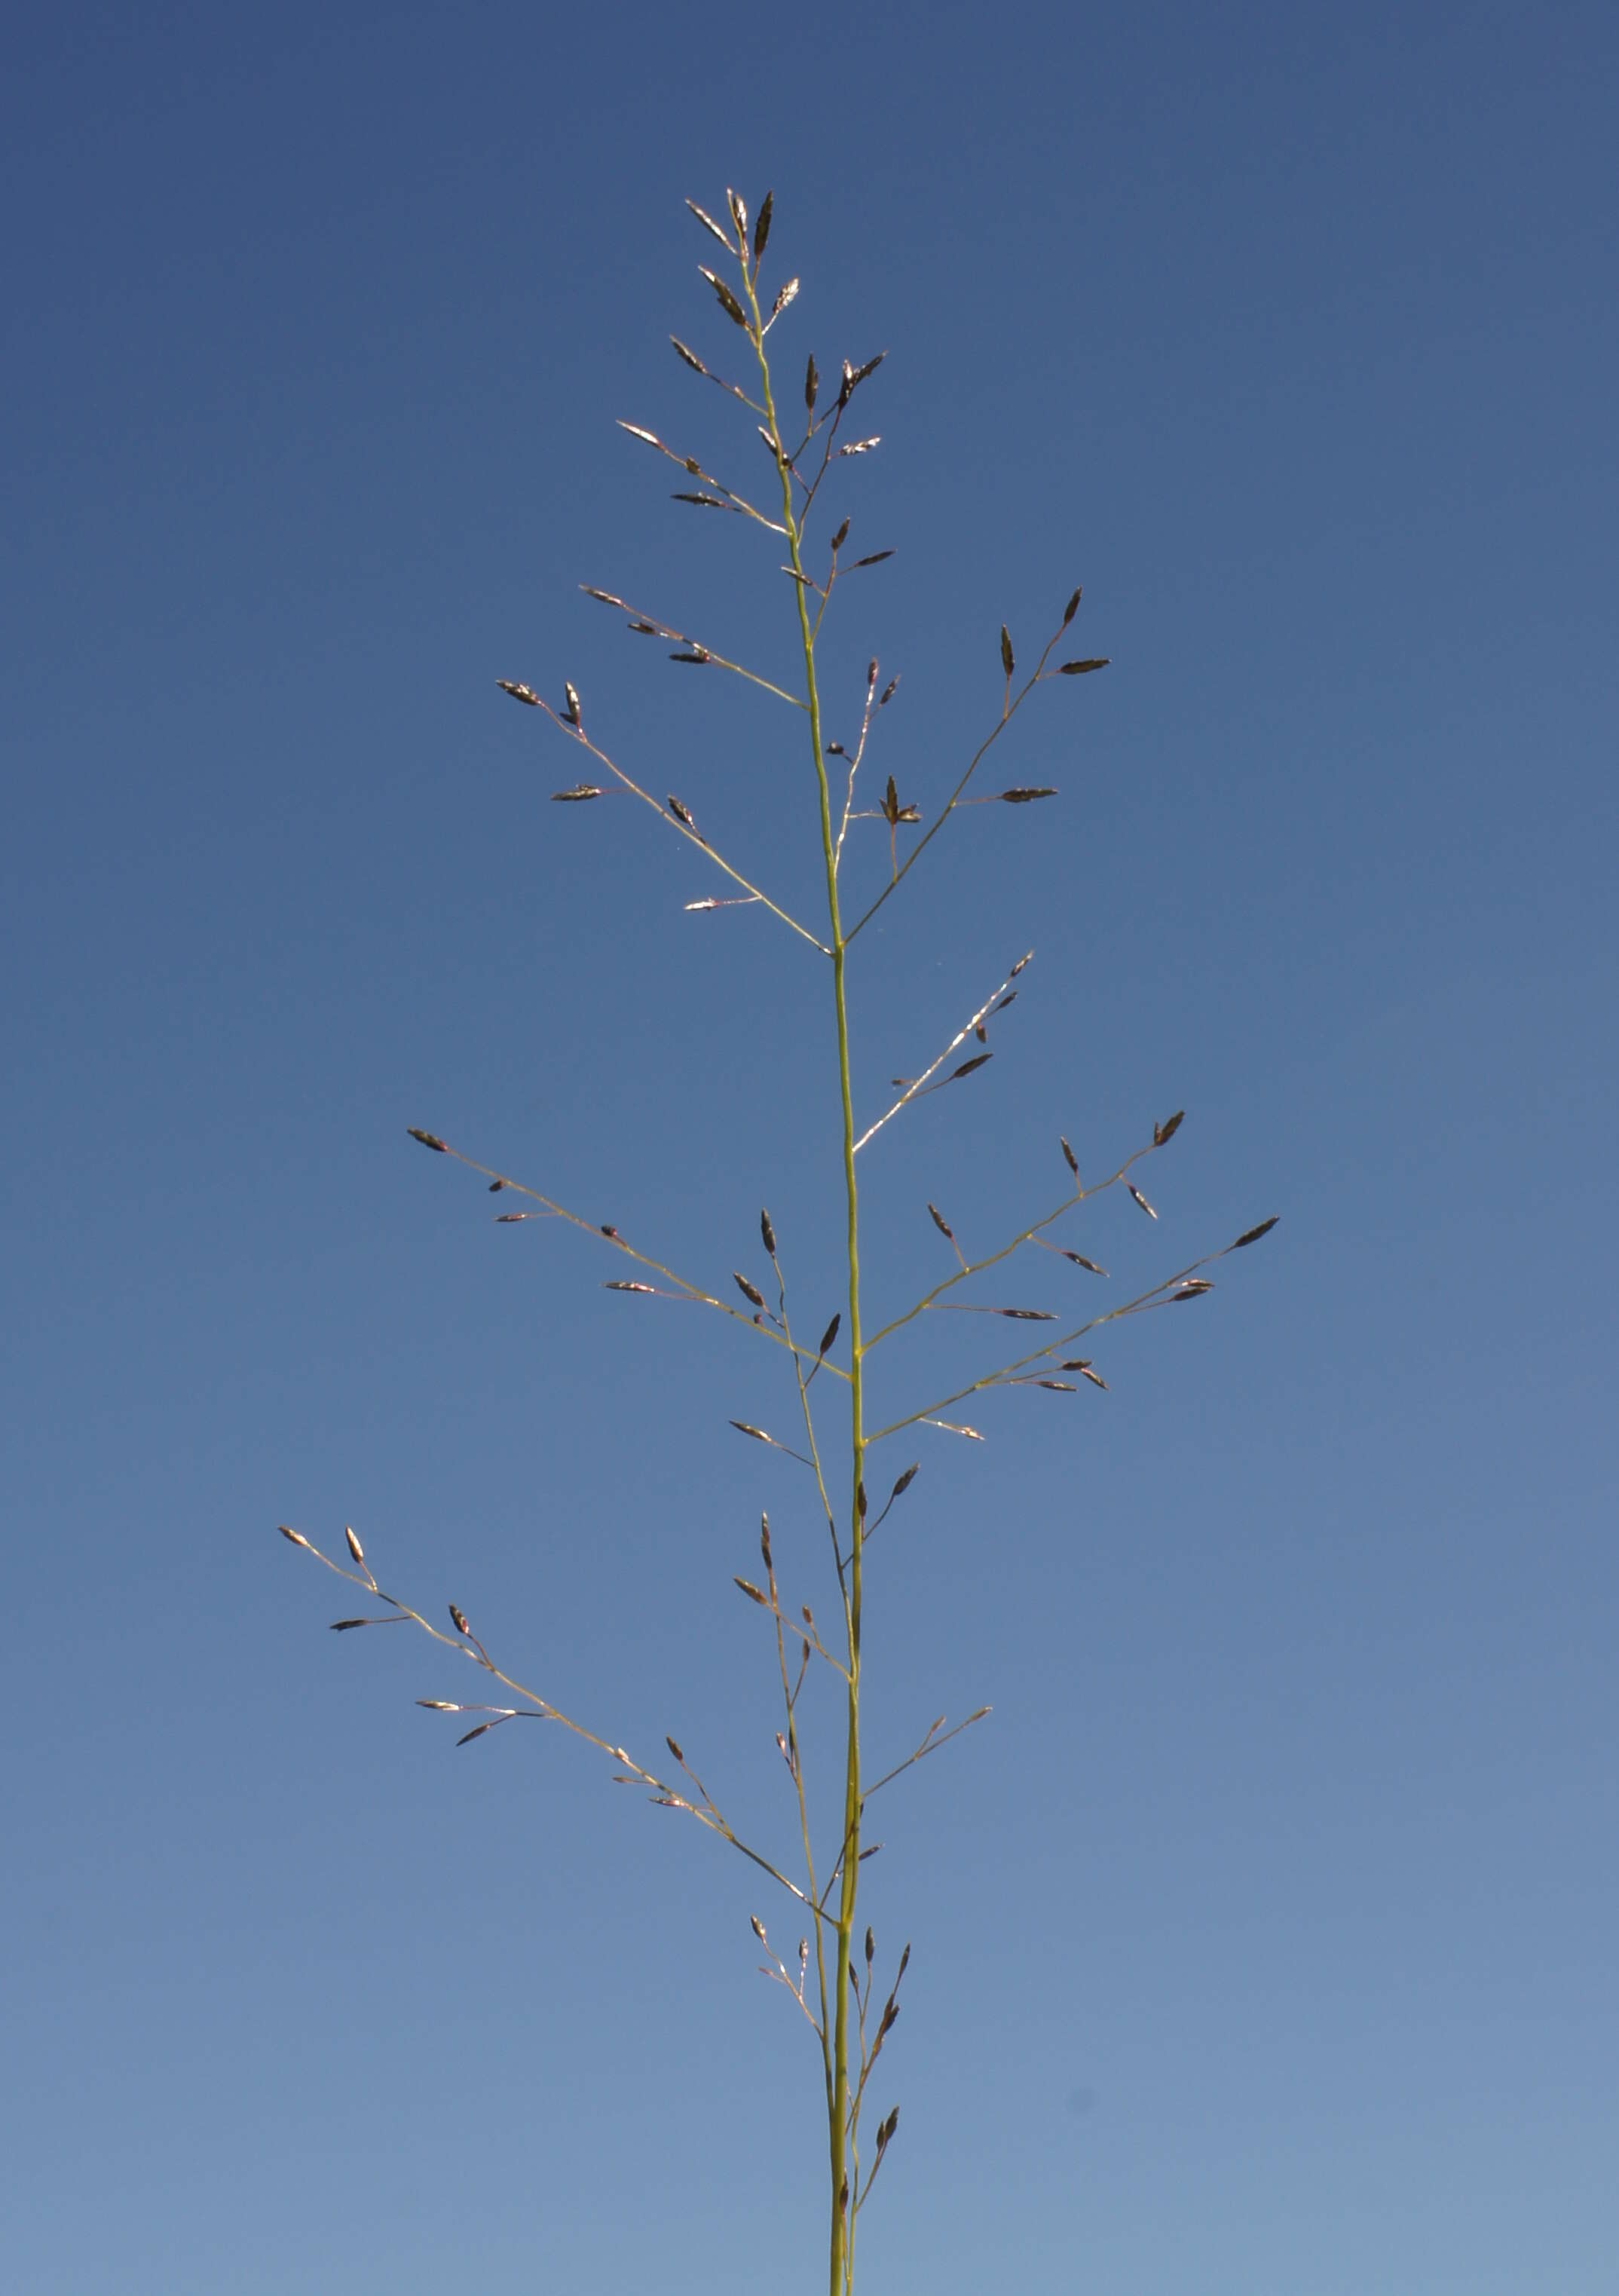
x=828 y=1973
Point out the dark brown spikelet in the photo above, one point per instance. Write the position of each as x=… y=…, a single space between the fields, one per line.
x=765 y=1540
x=941 y=1223
x=524 y=694
x=708 y=224
x=428 y=1140
x=876 y=559
x=812 y=384
x=785 y=293
x=1194 y=1288
x=690 y=357
x=571 y=708
x=1079 y=668
x=968 y=1067
x=727 y=301
x=497 y=1185
x=755 y=1299
x=460 y=1618
x=1140 y=1199
x=1007 y=662
x=841 y=536
x=768 y=1234
x=681 y=814
x=1255 y=1233
x=870 y=1947
x=1071 y=609
x=580 y=793
x=1070 y=1158
x=341 y=1625
x=829 y=1335
x=892 y=811
x=859 y=1500
x=1168 y=1128
x=888 y=694
x=476 y=1731
x=619 y=1284
x=1028 y=1314
x=673 y=1749
x=739 y=213
x=904 y=1482
x=509 y=1219
x=761 y=230
x=1079 y=1259
x=1023 y=796
x=609 y=1229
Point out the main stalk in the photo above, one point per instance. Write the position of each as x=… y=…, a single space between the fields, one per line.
x=842 y=2245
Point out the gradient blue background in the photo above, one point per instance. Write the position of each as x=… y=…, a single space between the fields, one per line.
x=1264 y=1940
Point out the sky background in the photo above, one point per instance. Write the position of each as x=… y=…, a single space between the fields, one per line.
x=1263 y=1942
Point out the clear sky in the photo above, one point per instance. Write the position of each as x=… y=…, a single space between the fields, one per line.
x=1264 y=1940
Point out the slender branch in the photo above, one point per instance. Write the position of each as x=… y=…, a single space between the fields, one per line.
x=691 y=1292
x=1162 y=1294
x=1009 y=709
x=650 y=622
x=855 y=763
x=929 y=1745
x=992 y=1259
x=809 y=1430
x=916 y=1089
x=693 y=469
x=687 y=829
x=795 y=1763
x=543 y=1709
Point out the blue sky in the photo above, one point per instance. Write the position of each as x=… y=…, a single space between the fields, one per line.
x=1263 y=1940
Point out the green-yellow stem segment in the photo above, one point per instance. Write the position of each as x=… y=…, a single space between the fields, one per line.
x=842 y=2243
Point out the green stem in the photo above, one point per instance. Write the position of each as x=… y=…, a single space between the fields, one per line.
x=841 y=2260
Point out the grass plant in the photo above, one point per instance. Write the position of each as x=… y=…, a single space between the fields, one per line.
x=832 y=1970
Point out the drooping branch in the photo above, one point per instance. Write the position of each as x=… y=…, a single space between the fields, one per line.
x=692 y=1293
x=649 y=626
x=677 y=816
x=662 y=1792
